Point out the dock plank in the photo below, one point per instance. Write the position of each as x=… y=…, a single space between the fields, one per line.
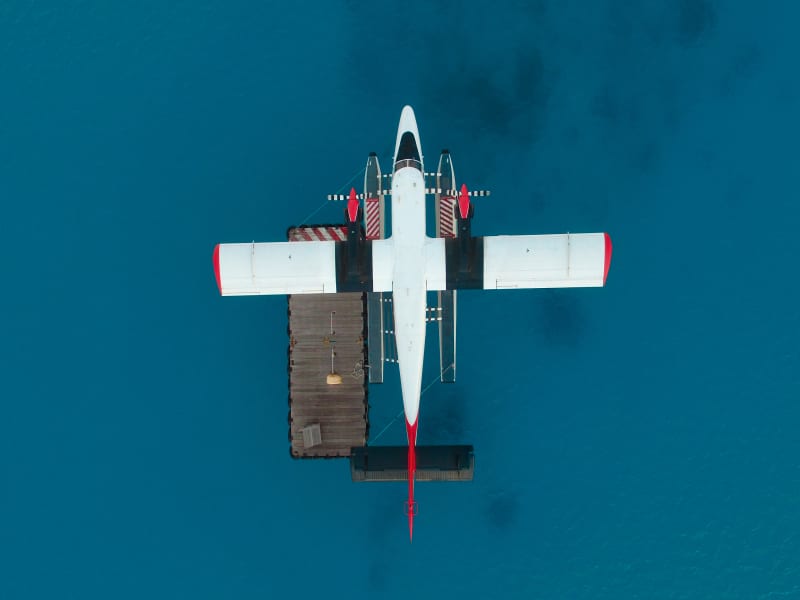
x=339 y=410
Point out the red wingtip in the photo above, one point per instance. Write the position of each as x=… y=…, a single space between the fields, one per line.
x=216 y=268
x=463 y=201
x=608 y=257
x=352 y=206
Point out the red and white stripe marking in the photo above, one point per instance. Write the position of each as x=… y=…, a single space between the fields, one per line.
x=373 y=206
x=446 y=216
x=318 y=234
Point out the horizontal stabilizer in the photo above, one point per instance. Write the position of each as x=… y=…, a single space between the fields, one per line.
x=433 y=463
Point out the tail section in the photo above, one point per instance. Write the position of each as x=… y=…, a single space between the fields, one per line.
x=411 y=505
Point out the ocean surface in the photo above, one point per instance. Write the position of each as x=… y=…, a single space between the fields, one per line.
x=636 y=441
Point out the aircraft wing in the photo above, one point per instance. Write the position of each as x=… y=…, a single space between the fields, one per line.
x=315 y=267
x=526 y=261
x=275 y=268
x=545 y=261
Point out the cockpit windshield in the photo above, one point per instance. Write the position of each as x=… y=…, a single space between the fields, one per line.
x=408 y=153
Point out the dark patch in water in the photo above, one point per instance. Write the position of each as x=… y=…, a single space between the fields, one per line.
x=480 y=90
x=533 y=86
x=491 y=107
x=646 y=155
x=443 y=418
x=695 y=19
x=502 y=510
x=561 y=321
x=380 y=517
x=745 y=62
x=384 y=519
x=606 y=107
x=507 y=101
x=376 y=576
x=538 y=203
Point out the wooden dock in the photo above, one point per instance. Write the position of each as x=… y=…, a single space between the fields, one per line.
x=327 y=420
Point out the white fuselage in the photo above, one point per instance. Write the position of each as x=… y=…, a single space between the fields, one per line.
x=409 y=248
x=409 y=286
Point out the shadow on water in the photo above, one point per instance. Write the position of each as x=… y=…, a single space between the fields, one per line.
x=444 y=416
x=513 y=90
x=695 y=18
x=560 y=318
x=481 y=90
x=506 y=98
x=502 y=510
x=381 y=523
x=376 y=575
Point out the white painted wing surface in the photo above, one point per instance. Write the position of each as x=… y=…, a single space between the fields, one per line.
x=546 y=261
x=382 y=265
x=275 y=268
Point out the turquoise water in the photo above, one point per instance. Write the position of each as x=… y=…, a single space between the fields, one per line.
x=637 y=441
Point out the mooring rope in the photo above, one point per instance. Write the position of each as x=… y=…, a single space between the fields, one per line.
x=341 y=189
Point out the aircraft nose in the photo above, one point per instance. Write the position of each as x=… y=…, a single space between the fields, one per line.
x=408 y=120
x=407 y=150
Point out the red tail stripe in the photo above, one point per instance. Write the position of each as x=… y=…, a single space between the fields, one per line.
x=411 y=431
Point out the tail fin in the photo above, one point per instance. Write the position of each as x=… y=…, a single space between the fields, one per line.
x=411 y=506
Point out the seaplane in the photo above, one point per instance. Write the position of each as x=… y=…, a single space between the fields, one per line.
x=410 y=264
